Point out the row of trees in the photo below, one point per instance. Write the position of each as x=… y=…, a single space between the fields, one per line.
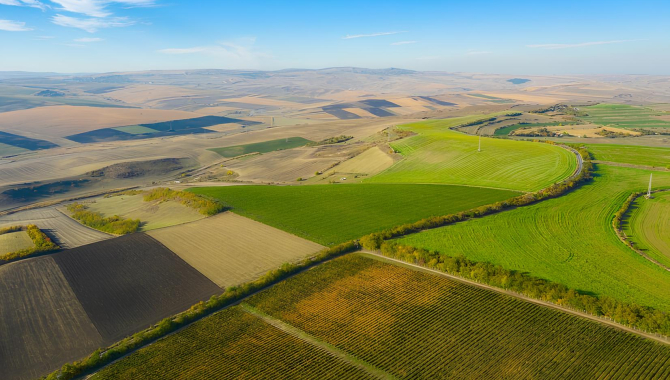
x=112 y=224
x=205 y=206
x=231 y=295
x=43 y=243
x=630 y=314
x=373 y=241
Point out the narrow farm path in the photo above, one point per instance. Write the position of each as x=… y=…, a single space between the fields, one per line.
x=302 y=335
x=656 y=338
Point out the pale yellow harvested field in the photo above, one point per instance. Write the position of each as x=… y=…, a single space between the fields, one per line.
x=365 y=165
x=225 y=127
x=230 y=249
x=65 y=231
x=61 y=121
x=152 y=214
x=580 y=130
x=265 y=102
x=15 y=241
x=144 y=93
x=360 y=112
x=530 y=98
x=281 y=166
x=64 y=162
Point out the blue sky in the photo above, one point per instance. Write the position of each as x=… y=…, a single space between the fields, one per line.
x=518 y=37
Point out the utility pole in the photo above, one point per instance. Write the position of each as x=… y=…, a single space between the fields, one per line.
x=649 y=190
x=480 y=144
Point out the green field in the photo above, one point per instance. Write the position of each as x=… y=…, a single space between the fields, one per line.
x=331 y=214
x=439 y=155
x=261 y=147
x=492 y=99
x=231 y=344
x=648 y=226
x=361 y=317
x=136 y=129
x=9 y=150
x=631 y=154
x=15 y=241
x=625 y=116
x=569 y=240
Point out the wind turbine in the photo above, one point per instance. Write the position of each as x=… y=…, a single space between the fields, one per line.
x=649 y=190
x=480 y=144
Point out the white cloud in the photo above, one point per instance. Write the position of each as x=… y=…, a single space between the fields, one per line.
x=97 y=8
x=91 y=25
x=403 y=43
x=241 y=53
x=13 y=26
x=45 y=37
x=348 y=37
x=86 y=40
x=24 y=3
x=566 y=46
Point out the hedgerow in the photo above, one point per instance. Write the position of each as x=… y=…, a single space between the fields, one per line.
x=113 y=224
x=43 y=243
x=204 y=205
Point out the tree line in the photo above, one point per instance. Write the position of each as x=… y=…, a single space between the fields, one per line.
x=112 y=224
x=630 y=314
x=43 y=243
x=204 y=205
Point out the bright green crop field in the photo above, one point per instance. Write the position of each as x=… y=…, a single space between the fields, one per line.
x=261 y=147
x=331 y=214
x=569 y=240
x=439 y=155
x=648 y=226
x=631 y=154
x=625 y=116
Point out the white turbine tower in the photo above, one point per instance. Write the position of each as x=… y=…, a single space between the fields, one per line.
x=649 y=190
x=480 y=144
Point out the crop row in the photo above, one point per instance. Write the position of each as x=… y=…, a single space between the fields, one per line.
x=231 y=344
x=418 y=325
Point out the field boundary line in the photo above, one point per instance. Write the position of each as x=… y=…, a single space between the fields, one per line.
x=632 y=166
x=522 y=297
x=87 y=374
x=318 y=343
x=625 y=208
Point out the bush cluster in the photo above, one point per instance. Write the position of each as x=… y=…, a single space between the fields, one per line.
x=42 y=243
x=639 y=317
x=113 y=224
x=233 y=294
x=206 y=206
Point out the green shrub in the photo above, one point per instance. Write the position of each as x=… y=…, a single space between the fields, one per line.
x=113 y=224
x=204 y=205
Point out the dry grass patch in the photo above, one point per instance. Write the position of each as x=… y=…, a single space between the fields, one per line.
x=230 y=249
x=366 y=164
x=15 y=241
x=152 y=214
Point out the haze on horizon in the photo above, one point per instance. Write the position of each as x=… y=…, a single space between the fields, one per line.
x=569 y=37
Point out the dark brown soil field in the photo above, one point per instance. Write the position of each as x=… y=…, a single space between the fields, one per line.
x=42 y=325
x=128 y=283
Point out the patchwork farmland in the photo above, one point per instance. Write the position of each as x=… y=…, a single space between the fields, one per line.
x=391 y=322
x=626 y=116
